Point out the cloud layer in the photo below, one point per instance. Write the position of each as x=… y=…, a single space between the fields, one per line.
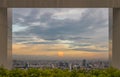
x=75 y=29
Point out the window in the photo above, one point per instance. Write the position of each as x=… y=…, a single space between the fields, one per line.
x=59 y=37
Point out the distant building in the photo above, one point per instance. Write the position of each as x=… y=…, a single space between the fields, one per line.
x=70 y=67
x=84 y=63
x=27 y=65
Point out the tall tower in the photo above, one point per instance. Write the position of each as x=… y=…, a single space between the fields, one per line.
x=70 y=67
x=84 y=63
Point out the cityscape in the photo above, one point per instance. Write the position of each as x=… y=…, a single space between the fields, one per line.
x=71 y=64
x=64 y=38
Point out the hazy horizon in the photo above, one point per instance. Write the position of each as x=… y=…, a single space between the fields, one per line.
x=60 y=33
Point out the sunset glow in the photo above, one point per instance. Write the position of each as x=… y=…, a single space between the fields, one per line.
x=60 y=54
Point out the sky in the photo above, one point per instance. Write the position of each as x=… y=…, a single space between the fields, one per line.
x=60 y=33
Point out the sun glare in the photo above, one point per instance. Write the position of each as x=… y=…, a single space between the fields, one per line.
x=60 y=54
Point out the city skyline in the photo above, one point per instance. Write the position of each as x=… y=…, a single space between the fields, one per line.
x=61 y=32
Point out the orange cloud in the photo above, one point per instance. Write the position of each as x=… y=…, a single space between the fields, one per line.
x=22 y=49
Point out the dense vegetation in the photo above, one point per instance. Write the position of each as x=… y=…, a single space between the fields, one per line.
x=109 y=72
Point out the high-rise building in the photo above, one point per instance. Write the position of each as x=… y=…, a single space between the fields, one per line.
x=84 y=63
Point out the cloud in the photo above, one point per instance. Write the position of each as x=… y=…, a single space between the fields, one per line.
x=75 y=27
x=41 y=52
x=73 y=14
